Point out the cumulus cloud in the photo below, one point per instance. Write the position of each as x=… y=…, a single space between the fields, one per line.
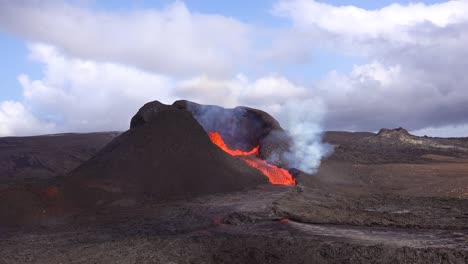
x=84 y=95
x=265 y=92
x=374 y=95
x=172 y=40
x=16 y=120
x=393 y=22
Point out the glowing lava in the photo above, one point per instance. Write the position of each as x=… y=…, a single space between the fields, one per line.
x=274 y=174
x=218 y=141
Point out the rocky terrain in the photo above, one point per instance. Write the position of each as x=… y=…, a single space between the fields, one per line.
x=389 y=197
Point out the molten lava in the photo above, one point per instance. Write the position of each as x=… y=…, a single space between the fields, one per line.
x=218 y=141
x=274 y=174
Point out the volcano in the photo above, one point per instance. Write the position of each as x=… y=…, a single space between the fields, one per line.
x=168 y=153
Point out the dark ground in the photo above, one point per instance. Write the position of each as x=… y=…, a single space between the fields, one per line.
x=379 y=198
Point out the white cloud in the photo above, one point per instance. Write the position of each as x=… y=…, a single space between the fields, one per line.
x=377 y=72
x=16 y=120
x=85 y=95
x=263 y=92
x=169 y=41
x=393 y=22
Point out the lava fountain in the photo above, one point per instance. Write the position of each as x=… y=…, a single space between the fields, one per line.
x=274 y=174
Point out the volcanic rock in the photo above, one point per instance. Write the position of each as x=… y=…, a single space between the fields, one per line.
x=166 y=153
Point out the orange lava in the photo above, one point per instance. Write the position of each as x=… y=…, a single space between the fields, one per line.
x=274 y=174
x=218 y=141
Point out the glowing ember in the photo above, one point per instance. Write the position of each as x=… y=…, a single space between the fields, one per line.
x=51 y=192
x=274 y=174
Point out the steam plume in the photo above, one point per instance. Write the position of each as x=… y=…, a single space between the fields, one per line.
x=302 y=121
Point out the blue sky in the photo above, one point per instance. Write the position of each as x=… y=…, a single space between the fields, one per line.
x=14 y=54
x=249 y=11
x=366 y=65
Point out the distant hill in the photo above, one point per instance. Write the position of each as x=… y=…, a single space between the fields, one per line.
x=394 y=145
x=343 y=137
x=24 y=159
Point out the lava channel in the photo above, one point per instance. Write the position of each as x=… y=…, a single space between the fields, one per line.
x=274 y=174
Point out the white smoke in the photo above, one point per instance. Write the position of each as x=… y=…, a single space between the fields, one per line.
x=302 y=120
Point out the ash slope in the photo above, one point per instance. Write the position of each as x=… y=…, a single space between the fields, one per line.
x=166 y=153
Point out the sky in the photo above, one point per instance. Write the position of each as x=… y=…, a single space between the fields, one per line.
x=84 y=65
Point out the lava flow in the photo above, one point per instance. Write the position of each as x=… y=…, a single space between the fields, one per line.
x=274 y=174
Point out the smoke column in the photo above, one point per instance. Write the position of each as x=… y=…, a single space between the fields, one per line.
x=302 y=121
